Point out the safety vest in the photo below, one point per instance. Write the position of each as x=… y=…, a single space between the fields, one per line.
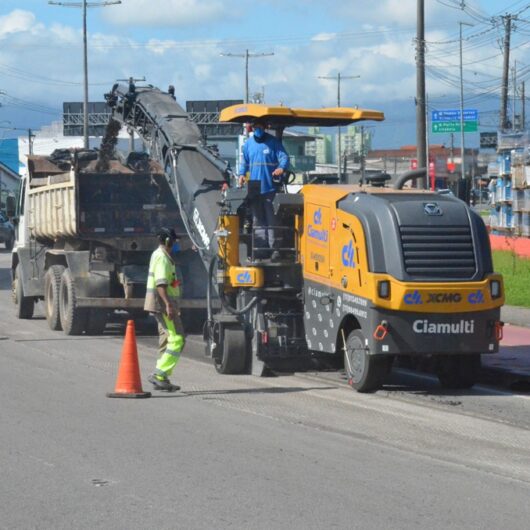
x=161 y=272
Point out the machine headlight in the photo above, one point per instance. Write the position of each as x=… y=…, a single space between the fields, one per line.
x=383 y=289
x=495 y=289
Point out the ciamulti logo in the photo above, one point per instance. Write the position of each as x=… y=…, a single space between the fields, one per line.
x=317 y=217
x=476 y=298
x=244 y=277
x=413 y=298
x=348 y=255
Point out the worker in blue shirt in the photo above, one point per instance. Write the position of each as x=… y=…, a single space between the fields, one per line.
x=265 y=158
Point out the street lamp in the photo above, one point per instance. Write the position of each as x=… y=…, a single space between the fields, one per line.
x=84 y=5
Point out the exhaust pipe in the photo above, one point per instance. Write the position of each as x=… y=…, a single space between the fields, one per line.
x=410 y=175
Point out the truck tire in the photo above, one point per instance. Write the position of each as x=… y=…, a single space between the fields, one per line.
x=96 y=321
x=365 y=372
x=25 y=305
x=52 y=287
x=233 y=351
x=458 y=371
x=73 y=318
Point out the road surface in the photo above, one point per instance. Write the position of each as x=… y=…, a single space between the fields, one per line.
x=296 y=452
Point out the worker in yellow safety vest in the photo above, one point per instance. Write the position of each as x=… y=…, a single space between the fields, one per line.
x=161 y=299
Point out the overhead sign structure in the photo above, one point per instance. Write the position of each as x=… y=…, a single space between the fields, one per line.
x=448 y=121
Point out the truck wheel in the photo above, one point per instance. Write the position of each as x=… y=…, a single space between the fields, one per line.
x=73 y=318
x=96 y=321
x=52 y=287
x=233 y=352
x=10 y=243
x=365 y=372
x=458 y=371
x=24 y=304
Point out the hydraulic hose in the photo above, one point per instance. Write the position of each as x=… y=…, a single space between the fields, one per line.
x=224 y=302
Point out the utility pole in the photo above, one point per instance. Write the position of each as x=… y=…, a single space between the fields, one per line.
x=84 y=5
x=421 y=153
x=514 y=84
x=247 y=55
x=507 y=20
x=362 y=156
x=339 y=78
x=462 y=133
x=523 y=107
x=30 y=141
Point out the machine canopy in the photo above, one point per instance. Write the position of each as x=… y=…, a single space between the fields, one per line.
x=287 y=117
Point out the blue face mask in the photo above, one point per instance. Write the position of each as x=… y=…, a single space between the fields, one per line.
x=175 y=248
x=259 y=132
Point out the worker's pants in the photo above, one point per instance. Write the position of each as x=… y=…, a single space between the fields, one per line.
x=170 y=343
x=263 y=217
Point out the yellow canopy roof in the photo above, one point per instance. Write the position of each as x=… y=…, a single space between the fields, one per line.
x=286 y=116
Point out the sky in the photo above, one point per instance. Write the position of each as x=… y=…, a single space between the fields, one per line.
x=180 y=42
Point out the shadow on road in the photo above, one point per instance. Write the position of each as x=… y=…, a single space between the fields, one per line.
x=273 y=390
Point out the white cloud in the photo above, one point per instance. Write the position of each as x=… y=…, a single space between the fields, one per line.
x=17 y=21
x=164 y=12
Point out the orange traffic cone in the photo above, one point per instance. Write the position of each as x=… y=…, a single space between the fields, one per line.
x=128 y=384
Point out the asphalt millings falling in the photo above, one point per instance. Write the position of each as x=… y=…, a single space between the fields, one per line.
x=108 y=145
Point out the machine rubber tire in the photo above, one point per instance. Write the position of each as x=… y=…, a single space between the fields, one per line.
x=25 y=305
x=52 y=287
x=458 y=371
x=10 y=243
x=96 y=321
x=233 y=351
x=365 y=372
x=73 y=318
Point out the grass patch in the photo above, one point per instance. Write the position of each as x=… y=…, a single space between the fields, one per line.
x=516 y=273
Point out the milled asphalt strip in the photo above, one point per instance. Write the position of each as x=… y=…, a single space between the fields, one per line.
x=320 y=378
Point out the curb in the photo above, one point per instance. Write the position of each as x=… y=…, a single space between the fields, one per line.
x=517 y=316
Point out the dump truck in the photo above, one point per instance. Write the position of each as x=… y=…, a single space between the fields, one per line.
x=368 y=273
x=86 y=231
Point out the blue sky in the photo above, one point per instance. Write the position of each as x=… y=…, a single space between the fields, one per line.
x=179 y=42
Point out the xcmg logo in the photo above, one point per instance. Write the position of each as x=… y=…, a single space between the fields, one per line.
x=244 y=277
x=476 y=298
x=317 y=217
x=413 y=298
x=348 y=255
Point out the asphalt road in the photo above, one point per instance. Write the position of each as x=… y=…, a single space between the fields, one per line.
x=291 y=452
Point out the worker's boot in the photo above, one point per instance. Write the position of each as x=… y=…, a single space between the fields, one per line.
x=162 y=383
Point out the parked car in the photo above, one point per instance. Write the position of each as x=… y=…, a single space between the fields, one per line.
x=7 y=232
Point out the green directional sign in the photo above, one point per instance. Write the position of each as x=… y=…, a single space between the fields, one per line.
x=453 y=126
